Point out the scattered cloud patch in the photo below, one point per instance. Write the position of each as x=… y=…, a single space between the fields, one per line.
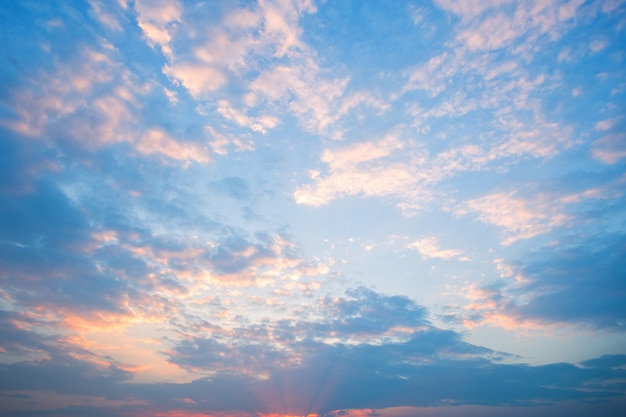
x=610 y=149
x=428 y=249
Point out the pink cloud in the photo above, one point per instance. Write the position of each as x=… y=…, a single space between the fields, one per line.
x=610 y=149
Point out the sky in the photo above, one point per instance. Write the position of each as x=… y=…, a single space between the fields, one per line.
x=323 y=208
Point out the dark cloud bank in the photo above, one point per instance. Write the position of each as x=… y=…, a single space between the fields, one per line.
x=427 y=367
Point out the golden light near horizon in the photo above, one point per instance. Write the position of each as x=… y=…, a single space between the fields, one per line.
x=312 y=208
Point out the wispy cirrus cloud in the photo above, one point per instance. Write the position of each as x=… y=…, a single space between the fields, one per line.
x=107 y=13
x=502 y=27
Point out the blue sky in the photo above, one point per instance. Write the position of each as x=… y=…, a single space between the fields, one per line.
x=312 y=208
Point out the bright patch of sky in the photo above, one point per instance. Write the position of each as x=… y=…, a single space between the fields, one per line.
x=304 y=207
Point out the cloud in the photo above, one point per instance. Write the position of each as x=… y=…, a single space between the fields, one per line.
x=146 y=269
x=321 y=364
x=606 y=361
x=607 y=124
x=107 y=17
x=521 y=218
x=367 y=315
x=93 y=102
x=609 y=6
x=527 y=216
x=44 y=362
x=47 y=263
x=510 y=22
x=597 y=45
x=75 y=277
x=610 y=149
x=198 y=79
x=369 y=168
x=65 y=375
x=384 y=383
x=233 y=260
x=308 y=95
x=233 y=45
x=493 y=33
x=363 y=317
x=62 y=92
x=17 y=339
x=258 y=124
x=258 y=50
x=402 y=170
x=469 y=9
x=91 y=97
x=577 y=284
x=428 y=249
x=156 y=141
x=388 y=370
x=468 y=86
x=234 y=187
x=271 y=261
x=507 y=100
x=157 y=19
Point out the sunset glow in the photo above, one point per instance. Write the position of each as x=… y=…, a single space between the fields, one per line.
x=312 y=208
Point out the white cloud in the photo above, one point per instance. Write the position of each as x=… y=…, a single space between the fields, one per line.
x=313 y=99
x=157 y=141
x=258 y=124
x=199 y=79
x=404 y=171
x=494 y=32
x=428 y=248
x=156 y=19
x=607 y=124
x=501 y=96
x=524 y=217
x=93 y=101
x=258 y=47
x=500 y=69
x=61 y=92
x=469 y=9
x=434 y=75
x=508 y=20
x=521 y=218
x=373 y=168
x=229 y=48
